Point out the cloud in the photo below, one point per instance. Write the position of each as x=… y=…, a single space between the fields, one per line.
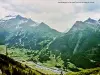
x=93 y=7
x=57 y=15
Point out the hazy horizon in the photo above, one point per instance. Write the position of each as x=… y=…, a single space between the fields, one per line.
x=59 y=16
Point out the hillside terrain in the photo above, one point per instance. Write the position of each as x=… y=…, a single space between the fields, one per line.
x=81 y=45
x=47 y=51
x=10 y=67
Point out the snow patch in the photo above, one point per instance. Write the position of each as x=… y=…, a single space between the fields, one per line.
x=9 y=17
x=35 y=24
x=2 y=20
x=22 y=21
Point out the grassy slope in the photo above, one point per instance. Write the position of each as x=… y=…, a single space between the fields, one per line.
x=38 y=71
x=2 y=49
x=11 y=67
x=20 y=56
x=94 y=71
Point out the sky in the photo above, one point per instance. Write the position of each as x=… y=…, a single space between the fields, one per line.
x=59 y=16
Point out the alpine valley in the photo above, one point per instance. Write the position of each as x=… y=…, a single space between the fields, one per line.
x=48 y=51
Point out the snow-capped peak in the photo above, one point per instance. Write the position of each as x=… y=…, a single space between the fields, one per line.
x=12 y=17
x=89 y=20
x=9 y=17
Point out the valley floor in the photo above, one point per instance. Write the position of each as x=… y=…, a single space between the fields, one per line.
x=19 y=62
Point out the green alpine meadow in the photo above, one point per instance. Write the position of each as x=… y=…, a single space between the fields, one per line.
x=31 y=48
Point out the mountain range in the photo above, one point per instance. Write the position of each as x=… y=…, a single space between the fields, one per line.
x=80 y=45
x=82 y=36
x=25 y=33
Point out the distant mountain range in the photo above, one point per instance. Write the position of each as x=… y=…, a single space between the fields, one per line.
x=82 y=36
x=23 y=32
x=81 y=42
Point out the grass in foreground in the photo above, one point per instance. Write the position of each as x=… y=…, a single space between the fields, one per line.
x=94 y=71
x=9 y=66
